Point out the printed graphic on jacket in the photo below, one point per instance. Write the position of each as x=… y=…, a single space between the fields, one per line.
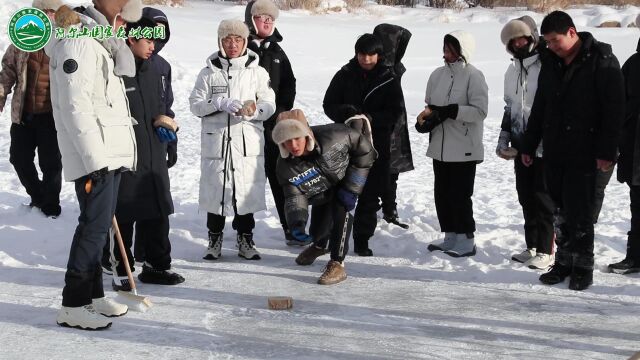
x=310 y=182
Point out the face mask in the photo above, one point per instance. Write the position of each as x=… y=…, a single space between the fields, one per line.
x=521 y=53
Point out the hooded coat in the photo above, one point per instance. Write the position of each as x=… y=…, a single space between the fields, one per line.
x=629 y=160
x=159 y=63
x=90 y=108
x=395 y=40
x=232 y=147
x=459 y=139
x=578 y=110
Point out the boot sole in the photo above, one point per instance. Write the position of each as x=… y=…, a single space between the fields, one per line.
x=331 y=282
x=64 y=324
x=298 y=243
x=539 y=268
x=580 y=288
x=624 y=271
x=254 y=257
x=210 y=257
x=456 y=255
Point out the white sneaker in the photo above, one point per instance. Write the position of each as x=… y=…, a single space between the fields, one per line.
x=83 y=317
x=540 y=261
x=109 y=307
x=524 y=256
x=246 y=247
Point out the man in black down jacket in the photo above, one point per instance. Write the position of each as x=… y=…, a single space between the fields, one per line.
x=260 y=17
x=326 y=167
x=577 y=112
x=629 y=161
x=144 y=198
x=366 y=86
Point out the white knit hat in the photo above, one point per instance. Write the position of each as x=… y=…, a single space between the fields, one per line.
x=290 y=125
x=47 y=4
x=132 y=11
x=232 y=27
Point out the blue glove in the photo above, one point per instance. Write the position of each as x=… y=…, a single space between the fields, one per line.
x=166 y=135
x=347 y=198
x=301 y=236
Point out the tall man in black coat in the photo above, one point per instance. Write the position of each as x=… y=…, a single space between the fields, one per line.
x=144 y=199
x=366 y=86
x=577 y=112
x=260 y=17
x=629 y=162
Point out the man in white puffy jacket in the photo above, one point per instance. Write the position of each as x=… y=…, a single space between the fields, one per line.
x=520 y=36
x=97 y=142
x=232 y=96
x=457 y=101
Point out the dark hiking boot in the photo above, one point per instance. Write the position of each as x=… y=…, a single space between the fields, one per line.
x=149 y=275
x=626 y=266
x=364 y=252
x=333 y=273
x=310 y=254
x=51 y=211
x=556 y=275
x=393 y=218
x=120 y=284
x=214 y=249
x=581 y=278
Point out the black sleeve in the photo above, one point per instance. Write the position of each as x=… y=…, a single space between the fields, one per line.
x=333 y=102
x=610 y=89
x=386 y=116
x=287 y=91
x=533 y=132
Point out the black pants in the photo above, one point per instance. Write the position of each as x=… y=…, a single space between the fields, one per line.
x=572 y=187
x=602 y=180
x=243 y=224
x=633 y=241
x=537 y=205
x=83 y=279
x=271 y=155
x=151 y=235
x=453 y=188
x=38 y=132
x=331 y=223
x=389 y=195
x=365 y=217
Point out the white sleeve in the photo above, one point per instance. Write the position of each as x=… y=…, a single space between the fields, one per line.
x=200 y=100
x=266 y=103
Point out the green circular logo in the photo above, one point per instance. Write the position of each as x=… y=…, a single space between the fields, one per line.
x=29 y=29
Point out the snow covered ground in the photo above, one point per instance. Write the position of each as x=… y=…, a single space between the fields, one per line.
x=403 y=303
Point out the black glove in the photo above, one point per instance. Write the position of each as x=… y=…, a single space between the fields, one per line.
x=172 y=153
x=445 y=112
x=98 y=175
x=430 y=122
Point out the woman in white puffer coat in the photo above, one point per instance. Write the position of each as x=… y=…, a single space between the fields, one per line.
x=457 y=102
x=232 y=96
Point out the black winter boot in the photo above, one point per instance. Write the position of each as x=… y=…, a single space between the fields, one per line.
x=556 y=275
x=393 y=218
x=581 y=278
x=626 y=266
x=150 y=275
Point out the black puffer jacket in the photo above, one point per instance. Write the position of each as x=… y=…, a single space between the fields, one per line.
x=376 y=93
x=629 y=160
x=342 y=158
x=578 y=110
x=145 y=193
x=395 y=40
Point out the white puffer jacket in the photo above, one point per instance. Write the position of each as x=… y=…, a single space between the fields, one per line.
x=459 y=139
x=239 y=172
x=90 y=108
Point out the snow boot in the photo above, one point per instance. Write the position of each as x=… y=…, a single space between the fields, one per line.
x=149 y=275
x=465 y=246
x=214 y=249
x=109 y=307
x=83 y=317
x=626 y=266
x=363 y=252
x=448 y=243
x=556 y=275
x=393 y=218
x=581 y=278
x=247 y=248
x=310 y=254
x=541 y=261
x=524 y=256
x=333 y=273
x=120 y=283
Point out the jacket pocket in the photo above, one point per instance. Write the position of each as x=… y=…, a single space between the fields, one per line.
x=117 y=135
x=213 y=144
x=252 y=138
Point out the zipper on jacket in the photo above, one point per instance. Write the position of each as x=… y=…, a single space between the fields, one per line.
x=376 y=88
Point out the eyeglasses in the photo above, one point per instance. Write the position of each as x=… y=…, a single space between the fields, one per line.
x=264 y=18
x=235 y=40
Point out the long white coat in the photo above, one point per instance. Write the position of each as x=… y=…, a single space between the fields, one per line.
x=459 y=139
x=232 y=147
x=90 y=108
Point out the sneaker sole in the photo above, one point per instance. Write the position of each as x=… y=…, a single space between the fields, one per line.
x=298 y=243
x=254 y=257
x=625 y=271
x=115 y=315
x=210 y=257
x=64 y=324
x=518 y=260
x=456 y=255
x=539 y=268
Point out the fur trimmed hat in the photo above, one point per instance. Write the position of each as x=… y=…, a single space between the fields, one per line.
x=232 y=27
x=290 y=125
x=265 y=7
x=523 y=26
x=132 y=11
x=47 y=4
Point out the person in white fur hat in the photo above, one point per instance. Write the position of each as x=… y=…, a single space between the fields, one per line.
x=33 y=127
x=456 y=105
x=97 y=143
x=233 y=98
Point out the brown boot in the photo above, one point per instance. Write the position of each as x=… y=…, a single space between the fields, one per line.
x=333 y=273
x=309 y=255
